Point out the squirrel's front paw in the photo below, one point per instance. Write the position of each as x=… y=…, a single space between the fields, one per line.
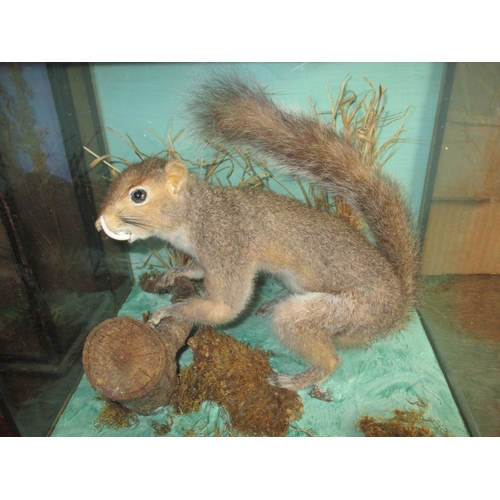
x=159 y=314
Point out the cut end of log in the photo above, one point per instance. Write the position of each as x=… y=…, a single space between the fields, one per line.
x=126 y=362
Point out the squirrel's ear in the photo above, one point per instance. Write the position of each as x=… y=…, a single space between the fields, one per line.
x=175 y=175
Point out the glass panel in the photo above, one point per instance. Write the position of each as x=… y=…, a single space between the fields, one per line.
x=460 y=264
x=59 y=278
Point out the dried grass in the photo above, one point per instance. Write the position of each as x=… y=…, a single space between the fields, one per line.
x=359 y=118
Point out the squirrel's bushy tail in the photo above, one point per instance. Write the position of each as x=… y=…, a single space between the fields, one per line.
x=228 y=110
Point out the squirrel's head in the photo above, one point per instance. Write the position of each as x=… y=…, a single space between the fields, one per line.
x=143 y=200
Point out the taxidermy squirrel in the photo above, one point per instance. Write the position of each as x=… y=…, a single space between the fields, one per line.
x=345 y=289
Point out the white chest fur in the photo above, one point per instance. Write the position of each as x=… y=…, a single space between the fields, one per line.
x=179 y=238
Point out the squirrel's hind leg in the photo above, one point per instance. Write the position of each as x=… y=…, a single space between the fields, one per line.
x=306 y=324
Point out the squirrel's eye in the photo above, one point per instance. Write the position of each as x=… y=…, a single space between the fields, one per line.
x=138 y=195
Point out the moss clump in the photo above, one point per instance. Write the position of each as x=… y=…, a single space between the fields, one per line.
x=114 y=415
x=234 y=375
x=403 y=423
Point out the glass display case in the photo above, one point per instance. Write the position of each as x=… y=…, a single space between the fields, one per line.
x=60 y=277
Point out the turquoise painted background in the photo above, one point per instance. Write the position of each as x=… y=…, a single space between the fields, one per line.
x=137 y=97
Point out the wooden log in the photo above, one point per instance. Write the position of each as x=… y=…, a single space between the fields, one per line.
x=134 y=365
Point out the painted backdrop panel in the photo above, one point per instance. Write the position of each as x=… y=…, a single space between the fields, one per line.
x=137 y=98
